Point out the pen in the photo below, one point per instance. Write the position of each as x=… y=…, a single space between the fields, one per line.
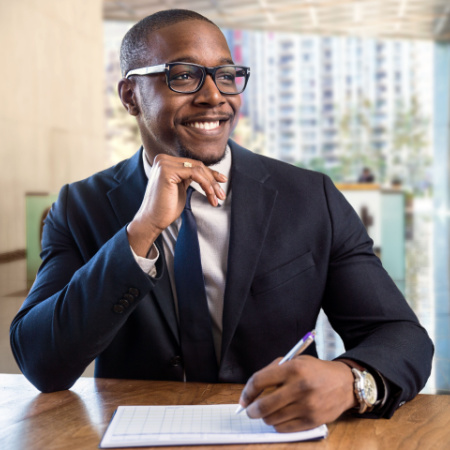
x=298 y=348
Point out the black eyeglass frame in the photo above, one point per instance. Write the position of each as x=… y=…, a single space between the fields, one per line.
x=165 y=68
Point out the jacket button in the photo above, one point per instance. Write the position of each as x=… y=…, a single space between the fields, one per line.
x=124 y=303
x=175 y=361
x=118 y=309
x=128 y=297
x=134 y=292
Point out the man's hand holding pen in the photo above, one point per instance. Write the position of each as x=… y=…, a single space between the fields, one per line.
x=305 y=392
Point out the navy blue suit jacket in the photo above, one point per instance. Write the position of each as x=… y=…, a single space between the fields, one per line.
x=296 y=246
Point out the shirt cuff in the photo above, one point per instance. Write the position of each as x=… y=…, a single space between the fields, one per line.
x=148 y=264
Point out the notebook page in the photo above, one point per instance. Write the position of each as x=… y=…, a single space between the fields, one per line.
x=193 y=424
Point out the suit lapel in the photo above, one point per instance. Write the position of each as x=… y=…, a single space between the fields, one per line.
x=127 y=195
x=251 y=208
x=126 y=198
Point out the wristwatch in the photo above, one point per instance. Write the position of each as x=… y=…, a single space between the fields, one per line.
x=366 y=391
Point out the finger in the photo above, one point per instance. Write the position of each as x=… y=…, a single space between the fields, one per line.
x=187 y=169
x=297 y=424
x=207 y=179
x=212 y=177
x=220 y=177
x=273 y=405
x=181 y=171
x=269 y=376
x=191 y=163
x=293 y=417
x=181 y=176
x=279 y=411
x=302 y=414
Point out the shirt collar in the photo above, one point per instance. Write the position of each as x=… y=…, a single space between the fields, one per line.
x=224 y=167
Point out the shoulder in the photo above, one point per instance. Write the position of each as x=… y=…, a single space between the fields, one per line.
x=122 y=170
x=103 y=181
x=91 y=196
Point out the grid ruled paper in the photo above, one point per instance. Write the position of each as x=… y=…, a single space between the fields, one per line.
x=188 y=425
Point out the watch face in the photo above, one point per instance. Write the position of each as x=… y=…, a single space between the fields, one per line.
x=370 y=389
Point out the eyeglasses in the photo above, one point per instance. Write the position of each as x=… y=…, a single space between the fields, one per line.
x=187 y=78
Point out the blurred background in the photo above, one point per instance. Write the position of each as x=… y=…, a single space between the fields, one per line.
x=357 y=89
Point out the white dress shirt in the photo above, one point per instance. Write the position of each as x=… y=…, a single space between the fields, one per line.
x=213 y=226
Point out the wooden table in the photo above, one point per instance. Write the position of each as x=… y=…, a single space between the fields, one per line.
x=77 y=419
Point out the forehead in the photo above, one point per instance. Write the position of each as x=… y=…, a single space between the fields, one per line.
x=190 y=41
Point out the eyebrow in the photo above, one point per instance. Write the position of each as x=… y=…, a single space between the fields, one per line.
x=190 y=59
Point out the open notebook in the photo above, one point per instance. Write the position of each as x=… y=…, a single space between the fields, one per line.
x=138 y=426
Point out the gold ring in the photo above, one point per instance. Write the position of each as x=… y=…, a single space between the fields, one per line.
x=187 y=164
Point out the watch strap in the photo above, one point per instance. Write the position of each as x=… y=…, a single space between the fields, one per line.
x=358 y=389
x=382 y=386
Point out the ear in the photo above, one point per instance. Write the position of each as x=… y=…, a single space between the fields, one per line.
x=128 y=96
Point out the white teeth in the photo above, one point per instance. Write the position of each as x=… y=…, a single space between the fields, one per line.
x=204 y=125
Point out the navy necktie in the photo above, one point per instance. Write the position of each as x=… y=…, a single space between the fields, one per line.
x=197 y=344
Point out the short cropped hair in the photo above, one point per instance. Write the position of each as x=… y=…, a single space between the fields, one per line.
x=135 y=41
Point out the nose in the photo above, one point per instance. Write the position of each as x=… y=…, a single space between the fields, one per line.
x=209 y=93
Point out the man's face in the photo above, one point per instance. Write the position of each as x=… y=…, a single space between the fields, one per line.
x=194 y=125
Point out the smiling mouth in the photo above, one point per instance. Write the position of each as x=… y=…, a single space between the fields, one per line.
x=204 y=125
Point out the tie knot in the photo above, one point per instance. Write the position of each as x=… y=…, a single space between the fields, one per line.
x=189 y=192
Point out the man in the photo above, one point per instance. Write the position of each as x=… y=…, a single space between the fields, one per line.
x=282 y=245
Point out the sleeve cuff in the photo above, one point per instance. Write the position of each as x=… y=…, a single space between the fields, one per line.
x=148 y=264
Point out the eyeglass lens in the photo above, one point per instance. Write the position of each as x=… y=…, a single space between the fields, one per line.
x=186 y=78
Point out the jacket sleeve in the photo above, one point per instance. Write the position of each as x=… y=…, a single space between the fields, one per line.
x=378 y=328
x=73 y=310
